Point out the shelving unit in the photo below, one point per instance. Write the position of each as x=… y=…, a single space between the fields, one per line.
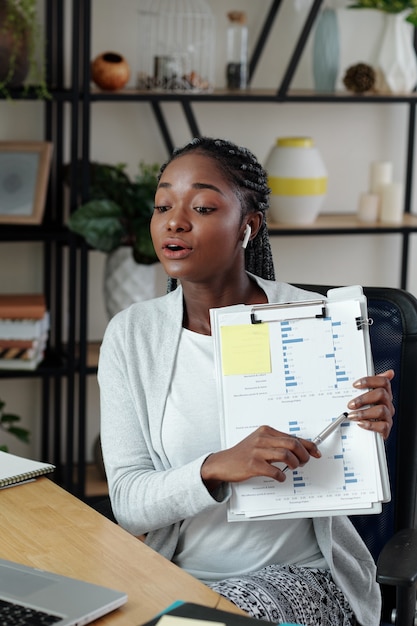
x=57 y=372
x=71 y=360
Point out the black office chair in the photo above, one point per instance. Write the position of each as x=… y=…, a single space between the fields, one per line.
x=391 y=536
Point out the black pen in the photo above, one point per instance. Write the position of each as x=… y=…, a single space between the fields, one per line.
x=318 y=439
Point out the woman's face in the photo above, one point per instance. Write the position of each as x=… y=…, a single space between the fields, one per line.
x=197 y=227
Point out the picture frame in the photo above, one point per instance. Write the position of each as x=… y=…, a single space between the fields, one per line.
x=24 y=176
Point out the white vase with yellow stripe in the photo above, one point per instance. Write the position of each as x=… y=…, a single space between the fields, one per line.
x=297 y=177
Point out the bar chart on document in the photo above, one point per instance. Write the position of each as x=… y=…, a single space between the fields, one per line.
x=296 y=375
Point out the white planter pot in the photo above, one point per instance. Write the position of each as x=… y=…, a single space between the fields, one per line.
x=396 y=61
x=126 y=281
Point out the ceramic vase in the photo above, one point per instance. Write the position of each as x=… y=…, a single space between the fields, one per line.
x=326 y=51
x=110 y=71
x=297 y=177
x=126 y=281
x=396 y=61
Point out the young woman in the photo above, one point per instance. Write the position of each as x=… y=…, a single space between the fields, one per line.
x=168 y=476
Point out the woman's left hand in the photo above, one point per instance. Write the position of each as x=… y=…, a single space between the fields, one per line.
x=373 y=410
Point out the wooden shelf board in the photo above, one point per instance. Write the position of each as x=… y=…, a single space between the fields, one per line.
x=346 y=221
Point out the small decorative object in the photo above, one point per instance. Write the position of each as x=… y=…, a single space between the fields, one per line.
x=368 y=207
x=392 y=203
x=396 y=61
x=24 y=176
x=116 y=220
x=20 y=47
x=359 y=78
x=326 y=51
x=237 y=51
x=110 y=71
x=380 y=174
x=176 y=45
x=297 y=177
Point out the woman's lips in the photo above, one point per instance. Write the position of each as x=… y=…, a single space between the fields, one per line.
x=176 y=251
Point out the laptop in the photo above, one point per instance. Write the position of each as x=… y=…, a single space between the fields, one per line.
x=68 y=601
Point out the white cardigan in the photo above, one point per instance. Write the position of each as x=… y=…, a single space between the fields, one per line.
x=147 y=495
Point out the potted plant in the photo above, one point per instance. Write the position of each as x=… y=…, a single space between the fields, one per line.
x=8 y=423
x=390 y=6
x=396 y=63
x=21 y=46
x=116 y=220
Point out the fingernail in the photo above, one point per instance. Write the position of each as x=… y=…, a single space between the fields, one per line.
x=354 y=416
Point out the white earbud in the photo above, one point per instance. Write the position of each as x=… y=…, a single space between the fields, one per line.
x=248 y=232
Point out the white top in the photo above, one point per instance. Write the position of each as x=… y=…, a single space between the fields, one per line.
x=191 y=429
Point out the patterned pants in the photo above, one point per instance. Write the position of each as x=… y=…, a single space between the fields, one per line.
x=286 y=593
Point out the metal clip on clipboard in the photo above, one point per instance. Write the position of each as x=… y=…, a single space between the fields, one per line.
x=288 y=310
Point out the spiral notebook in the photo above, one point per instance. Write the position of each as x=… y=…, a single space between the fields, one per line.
x=16 y=469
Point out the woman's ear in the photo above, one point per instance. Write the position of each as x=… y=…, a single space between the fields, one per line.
x=255 y=221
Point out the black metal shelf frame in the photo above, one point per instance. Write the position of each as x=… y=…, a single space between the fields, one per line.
x=87 y=97
x=66 y=257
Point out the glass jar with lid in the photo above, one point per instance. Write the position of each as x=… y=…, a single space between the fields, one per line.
x=237 y=51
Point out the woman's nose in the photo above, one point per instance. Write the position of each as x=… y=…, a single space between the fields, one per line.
x=177 y=221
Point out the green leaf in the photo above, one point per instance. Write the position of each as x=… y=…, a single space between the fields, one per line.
x=99 y=222
x=21 y=433
x=143 y=250
x=389 y=6
x=119 y=210
x=8 y=418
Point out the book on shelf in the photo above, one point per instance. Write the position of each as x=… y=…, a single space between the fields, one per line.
x=24 y=328
x=22 y=306
x=22 y=354
x=17 y=469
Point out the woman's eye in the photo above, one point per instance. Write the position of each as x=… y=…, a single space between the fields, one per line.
x=161 y=208
x=203 y=209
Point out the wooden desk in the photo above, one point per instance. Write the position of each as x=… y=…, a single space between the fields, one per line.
x=44 y=526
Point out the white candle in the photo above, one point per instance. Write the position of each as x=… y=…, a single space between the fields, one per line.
x=392 y=203
x=380 y=174
x=368 y=207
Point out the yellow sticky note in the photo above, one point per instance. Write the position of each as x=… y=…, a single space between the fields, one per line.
x=175 y=620
x=245 y=349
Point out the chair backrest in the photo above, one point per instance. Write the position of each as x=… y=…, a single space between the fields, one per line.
x=394 y=345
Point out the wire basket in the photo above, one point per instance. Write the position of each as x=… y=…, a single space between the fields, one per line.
x=176 y=45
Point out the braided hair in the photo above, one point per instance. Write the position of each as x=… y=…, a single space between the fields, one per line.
x=249 y=178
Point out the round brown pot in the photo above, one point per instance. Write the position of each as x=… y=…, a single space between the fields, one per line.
x=110 y=71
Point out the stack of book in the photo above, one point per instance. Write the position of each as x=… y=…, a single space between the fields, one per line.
x=24 y=329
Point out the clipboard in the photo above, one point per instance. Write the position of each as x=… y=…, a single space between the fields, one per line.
x=291 y=365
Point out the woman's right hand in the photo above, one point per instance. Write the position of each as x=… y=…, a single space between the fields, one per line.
x=255 y=455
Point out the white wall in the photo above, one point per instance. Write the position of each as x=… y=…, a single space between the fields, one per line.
x=348 y=136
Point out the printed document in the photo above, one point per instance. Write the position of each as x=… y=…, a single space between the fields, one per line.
x=293 y=368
